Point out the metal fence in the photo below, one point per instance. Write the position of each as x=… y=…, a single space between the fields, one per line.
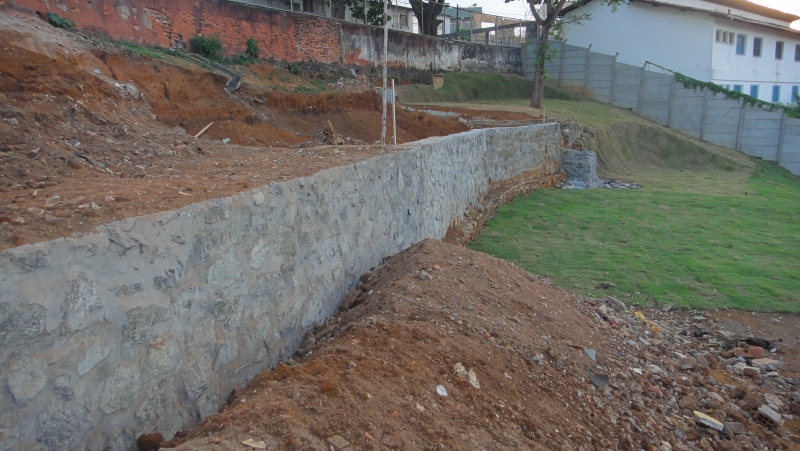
x=762 y=132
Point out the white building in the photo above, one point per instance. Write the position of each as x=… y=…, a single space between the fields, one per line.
x=735 y=43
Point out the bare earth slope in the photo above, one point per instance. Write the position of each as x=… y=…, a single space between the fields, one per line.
x=370 y=381
x=91 y=133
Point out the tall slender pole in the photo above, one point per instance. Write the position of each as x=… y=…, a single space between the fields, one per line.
x=385 y=63
x=365 y=12
x=458 y=25
x=394 y=113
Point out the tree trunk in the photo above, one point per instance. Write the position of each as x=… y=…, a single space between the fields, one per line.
x=542 y=48
x=426 y=14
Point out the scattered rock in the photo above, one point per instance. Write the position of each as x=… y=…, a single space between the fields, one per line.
x=687 y=363
x=392 y=442
x=337 y=442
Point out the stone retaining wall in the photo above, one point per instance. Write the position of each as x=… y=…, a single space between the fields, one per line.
x=148 y=323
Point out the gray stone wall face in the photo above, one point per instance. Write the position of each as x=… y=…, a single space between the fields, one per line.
x=581 y=166
x=148 y=323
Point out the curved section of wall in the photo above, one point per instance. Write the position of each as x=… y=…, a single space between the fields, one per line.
x=148 y=323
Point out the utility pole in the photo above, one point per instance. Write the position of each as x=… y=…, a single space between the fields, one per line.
x=458 y=25
x=394 y=113
x=385 y=63
x=365 y=12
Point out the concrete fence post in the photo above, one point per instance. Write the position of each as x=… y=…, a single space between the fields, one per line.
x=641 y=88
x=741 y=124
x=703 y=115
x=586 y=71
x=781 y=139
x=671 y=101
x=561 y=63
x=613 y=76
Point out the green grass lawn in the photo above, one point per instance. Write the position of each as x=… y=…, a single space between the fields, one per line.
x=736 y=248
x=712 y=227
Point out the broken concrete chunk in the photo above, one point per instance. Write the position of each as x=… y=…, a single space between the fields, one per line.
x=705 y=420
x=767 y=417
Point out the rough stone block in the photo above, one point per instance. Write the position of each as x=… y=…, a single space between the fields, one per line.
x=120 y=389
x=581 y=166
x=26 y=379
x=20 y=322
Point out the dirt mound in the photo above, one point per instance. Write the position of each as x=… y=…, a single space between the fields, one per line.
x=91 y=132
x=418 y=325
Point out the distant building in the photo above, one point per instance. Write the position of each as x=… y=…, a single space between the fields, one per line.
x=735 y=43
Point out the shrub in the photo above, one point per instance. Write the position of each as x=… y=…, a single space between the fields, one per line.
x=252 y=48
x=59 y=22
x=208 y=47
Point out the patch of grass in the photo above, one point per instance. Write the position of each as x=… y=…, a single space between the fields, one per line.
x=150 y=52
x=59 y=22
x=461 y=87
x=207 y=46
x=306 y=90
x=661 y=246
x=471 y=86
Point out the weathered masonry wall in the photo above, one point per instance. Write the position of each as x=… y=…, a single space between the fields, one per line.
x=147 y=324
x=756 y=131
x=281 y=35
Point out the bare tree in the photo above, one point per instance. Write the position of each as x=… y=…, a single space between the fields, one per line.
x=546 y=13
x=427 y=14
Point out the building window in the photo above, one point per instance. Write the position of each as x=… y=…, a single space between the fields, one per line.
x=758 y=44
x=725 y=37
x=308 y=6
x=403 y=21
x=727 y=86
x=754 y=91
x=795 y=94
x=741 y=42
x=779 y=50
x=797 y=52
x=776 y=94
x=738 y=88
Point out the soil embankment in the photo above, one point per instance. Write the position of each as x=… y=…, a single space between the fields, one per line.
x=92 y=132
x=370 y=378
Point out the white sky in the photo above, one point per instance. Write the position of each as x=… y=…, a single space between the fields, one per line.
x=519 y=8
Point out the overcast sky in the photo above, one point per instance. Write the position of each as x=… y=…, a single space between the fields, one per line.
x=519 y=8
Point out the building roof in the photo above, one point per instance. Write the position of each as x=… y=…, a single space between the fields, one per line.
x=742 y=5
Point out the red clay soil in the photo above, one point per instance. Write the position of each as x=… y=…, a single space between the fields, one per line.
x=78 y=148
x=370 y=381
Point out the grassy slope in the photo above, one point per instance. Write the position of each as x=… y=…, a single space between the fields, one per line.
x=712 y=228
x=463 y=87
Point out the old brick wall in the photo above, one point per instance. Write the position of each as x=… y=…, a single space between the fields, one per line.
x=281 y=35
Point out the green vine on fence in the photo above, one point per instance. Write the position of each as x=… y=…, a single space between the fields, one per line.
x=693 y=83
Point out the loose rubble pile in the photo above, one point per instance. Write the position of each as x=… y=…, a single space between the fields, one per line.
x=359 y=83
x=608 y=184
x=718 y=389
x=445 y=348
x=327 y=136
